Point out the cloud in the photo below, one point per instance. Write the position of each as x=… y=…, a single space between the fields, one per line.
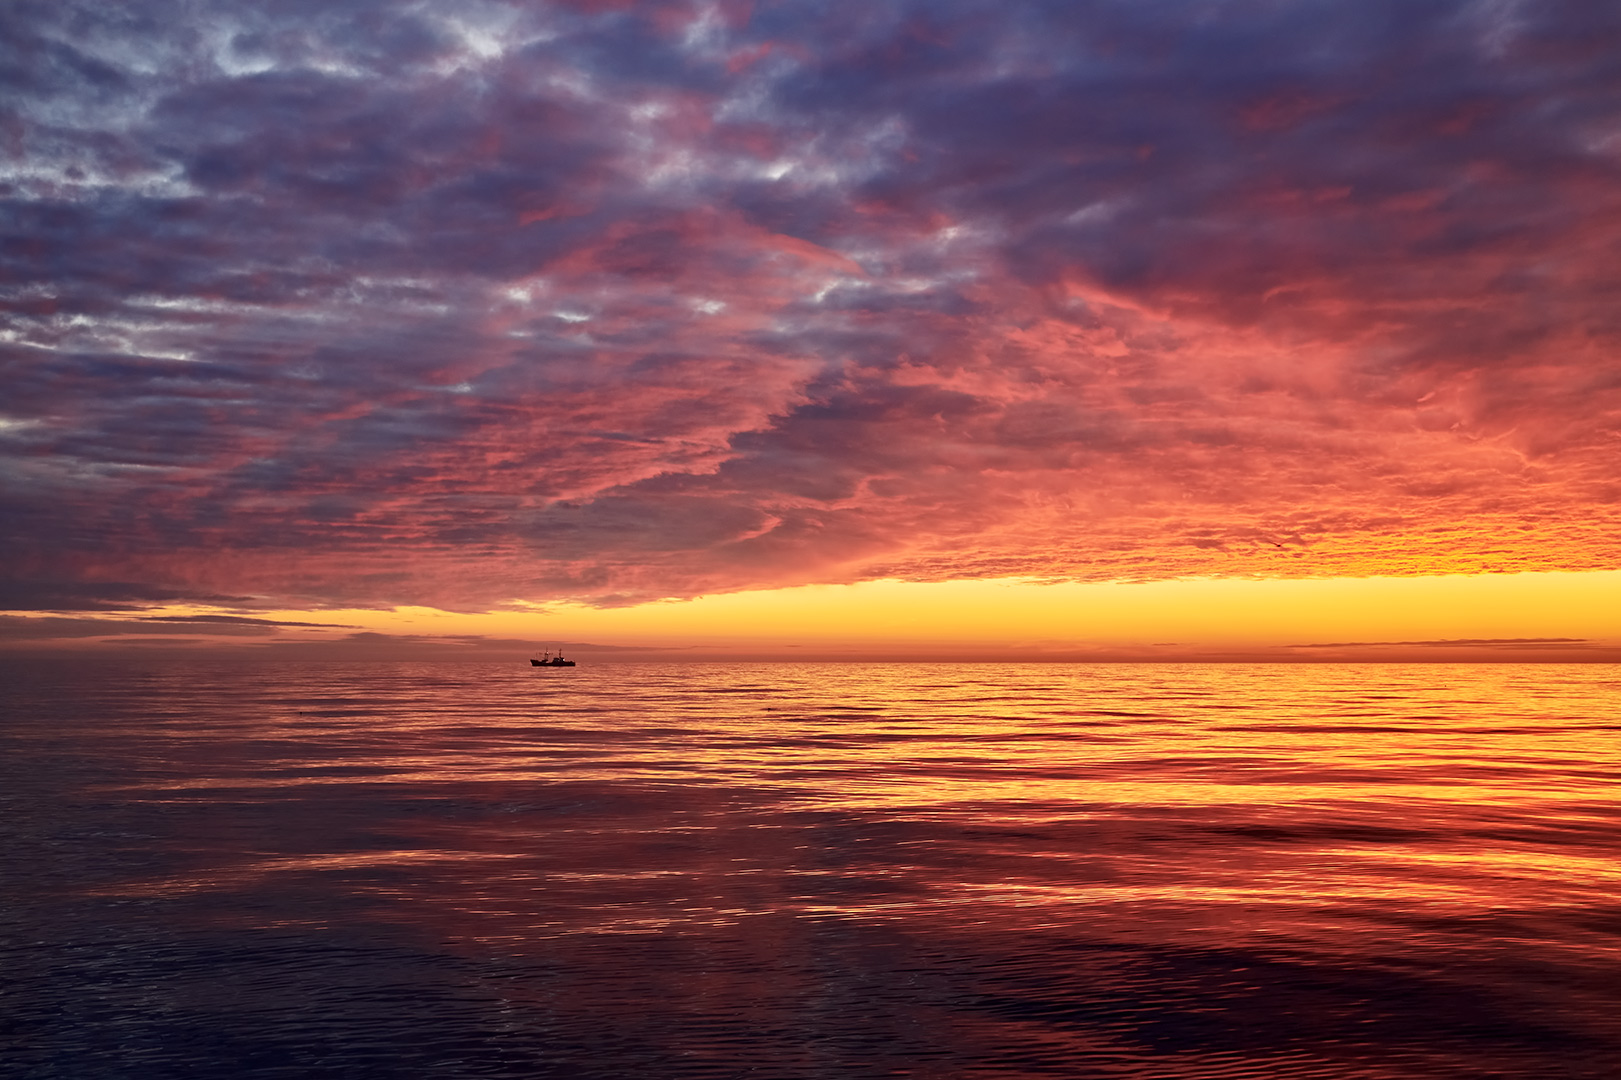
x=201 y=621
x=370 y=306
x=53 y=628
x=1469 y=650
x=248 y=639
x=36 y=595
x=1447 y=643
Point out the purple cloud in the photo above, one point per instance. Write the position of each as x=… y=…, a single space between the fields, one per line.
x=345 y=304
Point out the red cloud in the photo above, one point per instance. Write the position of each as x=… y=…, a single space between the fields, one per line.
x=613 y=305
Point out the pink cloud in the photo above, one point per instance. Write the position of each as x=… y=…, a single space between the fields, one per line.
x=616 y=303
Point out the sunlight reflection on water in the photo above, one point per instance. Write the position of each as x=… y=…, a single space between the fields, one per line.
x=816 y=870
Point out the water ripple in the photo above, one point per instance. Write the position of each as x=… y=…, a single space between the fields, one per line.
x=1210 y=873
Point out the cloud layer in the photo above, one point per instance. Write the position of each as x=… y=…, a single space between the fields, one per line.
x=456 y=303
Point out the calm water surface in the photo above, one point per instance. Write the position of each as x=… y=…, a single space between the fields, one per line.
x=792 y=871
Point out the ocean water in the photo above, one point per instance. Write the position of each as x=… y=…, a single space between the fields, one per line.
x=763 y=871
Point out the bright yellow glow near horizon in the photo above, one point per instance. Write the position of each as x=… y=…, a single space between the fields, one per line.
x=1009 y=612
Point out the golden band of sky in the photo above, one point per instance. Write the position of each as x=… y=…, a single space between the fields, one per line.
x=1391 y=617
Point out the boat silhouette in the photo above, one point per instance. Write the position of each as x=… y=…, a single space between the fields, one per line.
x=548 y=660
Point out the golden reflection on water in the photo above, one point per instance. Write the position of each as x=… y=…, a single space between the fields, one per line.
x=1061 y=832
x=1206 y=787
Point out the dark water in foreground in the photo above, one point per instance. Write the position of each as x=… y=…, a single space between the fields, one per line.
x=810 y=871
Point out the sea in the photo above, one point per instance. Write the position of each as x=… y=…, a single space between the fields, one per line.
x=459 y=870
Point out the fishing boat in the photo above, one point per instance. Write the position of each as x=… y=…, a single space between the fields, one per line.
x=548 y=660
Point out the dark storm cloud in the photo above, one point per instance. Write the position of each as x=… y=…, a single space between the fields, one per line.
x=346 y=303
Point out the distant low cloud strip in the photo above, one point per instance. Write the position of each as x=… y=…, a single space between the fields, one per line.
x=458 y=303
x=1451 y=643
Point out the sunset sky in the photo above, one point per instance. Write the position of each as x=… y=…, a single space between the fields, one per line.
x=822 y=328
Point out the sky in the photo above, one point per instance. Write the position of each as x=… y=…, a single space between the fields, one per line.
x=1104 y=330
